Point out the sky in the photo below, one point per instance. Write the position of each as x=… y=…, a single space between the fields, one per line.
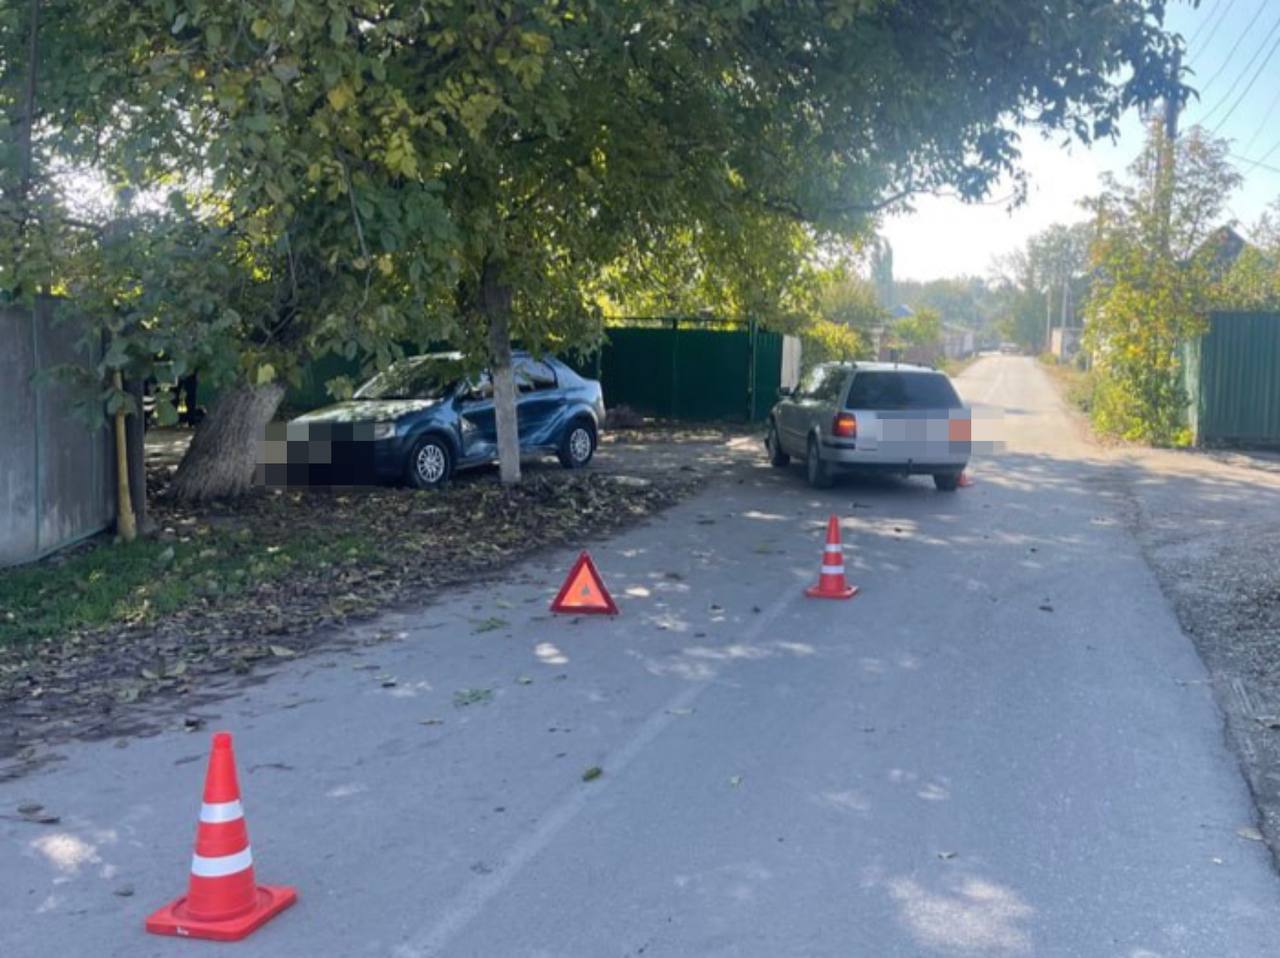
x=1234 y=49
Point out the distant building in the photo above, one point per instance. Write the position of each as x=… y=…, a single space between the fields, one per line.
x=1065 y=342
x=957 y=341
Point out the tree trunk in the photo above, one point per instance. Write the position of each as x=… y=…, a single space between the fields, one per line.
x=136 y=441
x=495 y=302
x=222 y=455
x=126 y=527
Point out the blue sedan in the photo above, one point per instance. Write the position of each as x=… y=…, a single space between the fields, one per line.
x=425 y=417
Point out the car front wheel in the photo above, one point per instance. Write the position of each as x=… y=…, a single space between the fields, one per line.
x=818 y=471
x=578 y=445
x=430 y=463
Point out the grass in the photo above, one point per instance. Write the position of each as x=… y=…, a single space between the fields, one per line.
x=1077 y=385
x=150 y=578
x=954 y=367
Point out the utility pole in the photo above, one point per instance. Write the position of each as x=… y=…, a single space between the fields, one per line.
x=1048 y=318
x=1168 y=154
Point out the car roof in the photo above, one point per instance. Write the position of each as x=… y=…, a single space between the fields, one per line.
x=895 y=367
x=875 y=367
x=454 y=354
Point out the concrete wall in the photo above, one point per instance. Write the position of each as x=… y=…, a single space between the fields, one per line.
x=55 y=479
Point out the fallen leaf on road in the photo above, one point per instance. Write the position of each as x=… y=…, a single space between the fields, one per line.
x=524 y=680
x=594 y=772
x=282 y=652
x=41 y=817
x=124 y=891
x=29 y=808
x=1249 y=832
x=431 y=721
x=488 y=625
x=946 y=856
x=735 y=780
x=464 y=697
x=1268 y=721
x=1046 y=608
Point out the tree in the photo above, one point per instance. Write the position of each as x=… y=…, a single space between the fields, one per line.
x=1154 y=281
x=882 y=272
x=473 y=169
x=922 y=328
x=1253 y=279
x=1058 y=257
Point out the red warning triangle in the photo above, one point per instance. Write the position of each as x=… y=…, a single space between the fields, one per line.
x=583 y=591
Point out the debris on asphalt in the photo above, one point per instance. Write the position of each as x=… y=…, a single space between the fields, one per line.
x=465 y=697
x=591 y=774
x=37 y=815
x=1249 y=832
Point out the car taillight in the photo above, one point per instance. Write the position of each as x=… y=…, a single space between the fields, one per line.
x=959 y=430
x=845 y=424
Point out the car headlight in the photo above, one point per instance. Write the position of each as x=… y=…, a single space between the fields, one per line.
x=384 y=430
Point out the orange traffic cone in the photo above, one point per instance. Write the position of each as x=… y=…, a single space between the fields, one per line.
x=222 y=900
x=964 y=482
x=831 y=584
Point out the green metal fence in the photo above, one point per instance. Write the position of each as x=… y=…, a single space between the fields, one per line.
x=1233 y=380
x=681 y=369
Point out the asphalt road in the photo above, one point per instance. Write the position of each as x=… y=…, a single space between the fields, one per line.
x=1004 y=746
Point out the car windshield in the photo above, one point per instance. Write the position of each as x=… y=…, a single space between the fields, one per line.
x=901 y=390
x=419 y=377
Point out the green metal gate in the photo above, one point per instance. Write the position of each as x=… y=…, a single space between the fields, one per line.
x=1233 y=380
x=675 y=371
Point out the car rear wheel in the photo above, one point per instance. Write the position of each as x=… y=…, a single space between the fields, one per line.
x=578 y=445
x=777 y=458
x=946 y=481
x=430 y=463
x=818 y=471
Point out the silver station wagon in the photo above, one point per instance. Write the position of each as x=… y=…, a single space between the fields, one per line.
x=872 y=417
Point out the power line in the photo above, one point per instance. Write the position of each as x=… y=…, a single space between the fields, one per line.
x=1262 y=124
x=1221 y=20
x=1259 y=164
x=1252 y=80
x=1201 y=25
x=1231 y=53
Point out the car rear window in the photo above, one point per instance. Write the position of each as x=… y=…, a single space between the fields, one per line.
x=901 y=390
